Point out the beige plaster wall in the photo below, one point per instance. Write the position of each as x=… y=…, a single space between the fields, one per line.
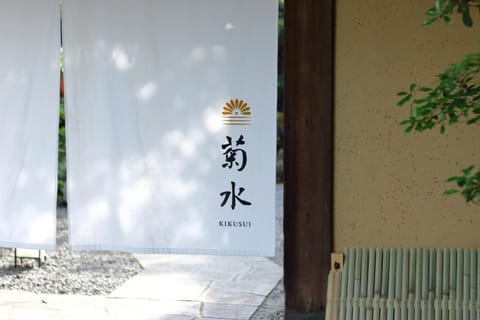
x=388 y=187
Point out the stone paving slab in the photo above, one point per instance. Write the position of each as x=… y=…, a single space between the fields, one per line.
x=161 y=287
x=25 y=305
x=226 y=287
x=170 y=287
x=81 y=307
x=228 y=311
x=215 y=295
x=242 y=286
x=147 y=309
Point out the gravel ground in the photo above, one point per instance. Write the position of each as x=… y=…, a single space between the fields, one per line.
x=68 y=272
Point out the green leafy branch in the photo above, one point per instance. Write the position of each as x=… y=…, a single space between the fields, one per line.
x=456 y=98
x=443 y=9
x=468 y=185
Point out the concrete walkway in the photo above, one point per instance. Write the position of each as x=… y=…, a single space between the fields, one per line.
x=169 y=287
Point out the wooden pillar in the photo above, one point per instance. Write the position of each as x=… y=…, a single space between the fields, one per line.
x=308 y=209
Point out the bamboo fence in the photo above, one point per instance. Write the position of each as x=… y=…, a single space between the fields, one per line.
x=405 y=284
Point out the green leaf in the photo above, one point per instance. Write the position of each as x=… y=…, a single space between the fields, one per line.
x=450 y=192
x=430 y=124
x=474 y=120
x=457 y=69
x=461 y=181
x=404 y=100
x=432 y=12
x=447 y=19
x=415 y=113
x=402 y=93
x=425 y=89
x=468 y=170
x=421 y=100
x=404 y=122
x=407 y=131
x=442 y=129
x=453 y=120
x=429 y=21
x=413 y=86
x=467 y=19
x=452 y=179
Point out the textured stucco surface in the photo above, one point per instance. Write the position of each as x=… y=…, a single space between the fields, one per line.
x=388 y=187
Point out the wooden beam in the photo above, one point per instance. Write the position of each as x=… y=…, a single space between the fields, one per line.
x=308 y=200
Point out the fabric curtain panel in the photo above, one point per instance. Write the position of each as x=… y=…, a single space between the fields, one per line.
x=29 y=100
x=171 y=125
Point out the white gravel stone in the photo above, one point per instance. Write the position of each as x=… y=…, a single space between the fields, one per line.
x=65 y=271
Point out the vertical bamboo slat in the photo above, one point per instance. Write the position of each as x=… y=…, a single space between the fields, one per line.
x=391 y=284
x=403 y=302
x=458 y=300
x=363 y=284
x=424 y=300
x=343 y=291
x=418 y=285
x=411 y=284
x=378 y=281
x=453 y=284
x=398 y=284
x=336 y=295
x=477 y=305
x=473 y=285
x=466 y=285
x=431 y=283
x=351 y=277
x=438 y=284
x=356 y=285
x=445 y=282
x=370 y=286
x=384 y=292
x=328 y=312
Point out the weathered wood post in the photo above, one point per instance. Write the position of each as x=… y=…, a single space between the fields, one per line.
x=308 y=211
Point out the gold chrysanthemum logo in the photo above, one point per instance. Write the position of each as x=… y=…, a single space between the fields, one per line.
x=236 y=113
